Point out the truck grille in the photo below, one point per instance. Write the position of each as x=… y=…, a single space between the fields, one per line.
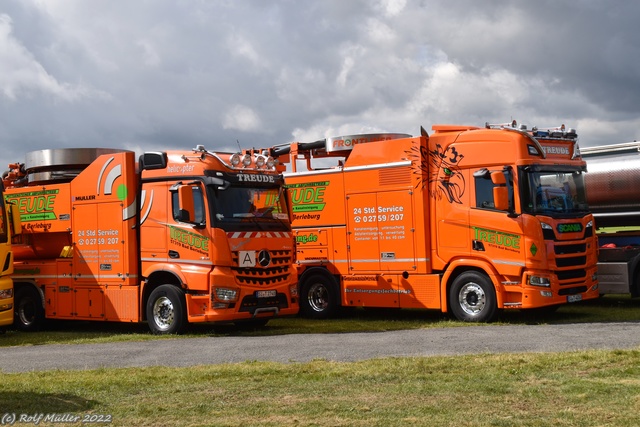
x=572 y=291
x=277 y=272
x=250 y=303
x=570 y=259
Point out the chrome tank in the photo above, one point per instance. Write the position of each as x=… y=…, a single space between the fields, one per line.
x=56 y=165
x=613 y=183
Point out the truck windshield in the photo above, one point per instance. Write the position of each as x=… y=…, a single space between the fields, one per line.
x=249 y=208
x=554 y=193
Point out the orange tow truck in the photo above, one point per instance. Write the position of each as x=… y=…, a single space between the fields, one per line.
x=470 y=220
x=177 y=237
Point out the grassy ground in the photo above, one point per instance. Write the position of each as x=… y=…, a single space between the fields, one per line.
x=594 y=388
x=614 y=308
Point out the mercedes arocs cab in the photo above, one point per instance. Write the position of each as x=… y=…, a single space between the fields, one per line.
x=177 y=237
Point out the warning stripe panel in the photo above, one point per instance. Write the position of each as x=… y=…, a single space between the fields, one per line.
x=257 y=234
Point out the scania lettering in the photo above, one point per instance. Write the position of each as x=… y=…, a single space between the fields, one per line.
x=163 y=240
x=469 y=221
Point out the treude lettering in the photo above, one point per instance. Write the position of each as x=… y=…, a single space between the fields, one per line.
x=36 y=204
x=307 y=195
x=556 y=150
x=245 y=177
x=497 y=238
x=190 y=239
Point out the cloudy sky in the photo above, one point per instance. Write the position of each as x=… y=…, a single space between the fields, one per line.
x=161 y=74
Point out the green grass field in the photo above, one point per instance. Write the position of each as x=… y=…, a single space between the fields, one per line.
x=594 y=388
x=587 y=388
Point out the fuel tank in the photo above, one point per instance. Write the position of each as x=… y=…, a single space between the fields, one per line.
x=613 y=183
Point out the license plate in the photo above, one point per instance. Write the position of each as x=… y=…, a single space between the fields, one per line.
x=574 y=298
x=266 y=294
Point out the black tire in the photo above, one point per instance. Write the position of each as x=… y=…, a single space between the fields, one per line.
x=29 y=311
x=319 y=296
x=472 y=298
x=166 y=310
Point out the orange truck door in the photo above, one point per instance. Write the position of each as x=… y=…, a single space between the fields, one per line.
x=381 y=246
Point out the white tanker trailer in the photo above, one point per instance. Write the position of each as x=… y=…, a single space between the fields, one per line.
x=613 y=194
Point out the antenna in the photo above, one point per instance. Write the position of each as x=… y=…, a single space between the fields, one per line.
x=239 y=147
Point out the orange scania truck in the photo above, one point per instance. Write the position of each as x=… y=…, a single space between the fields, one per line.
x=469 y=221
x=177 y=237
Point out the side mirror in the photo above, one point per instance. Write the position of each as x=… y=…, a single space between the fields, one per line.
x=497 y=178
x=500 y=191
x=153 y=160
x=501 y=198
x=186 y=211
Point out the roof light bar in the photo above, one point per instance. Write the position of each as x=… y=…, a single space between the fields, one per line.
x=555 y=132
x=513 y=125
x=558 y=132
x=234 y=159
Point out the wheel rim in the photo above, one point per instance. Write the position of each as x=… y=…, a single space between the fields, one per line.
x=472 y=299
x=163 y=313
x=26 y=312
x=318 y=297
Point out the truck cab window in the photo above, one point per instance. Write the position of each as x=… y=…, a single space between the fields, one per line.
x=198 y=204
x=484 y=190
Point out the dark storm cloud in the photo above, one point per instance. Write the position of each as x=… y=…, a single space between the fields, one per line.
x=150 y=75
x=590 y=47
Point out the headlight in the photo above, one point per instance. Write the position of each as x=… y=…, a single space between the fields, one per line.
x=6 y=293
x=539 y=281
x=226 y=294
x=270 y=162
x=235 y=159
